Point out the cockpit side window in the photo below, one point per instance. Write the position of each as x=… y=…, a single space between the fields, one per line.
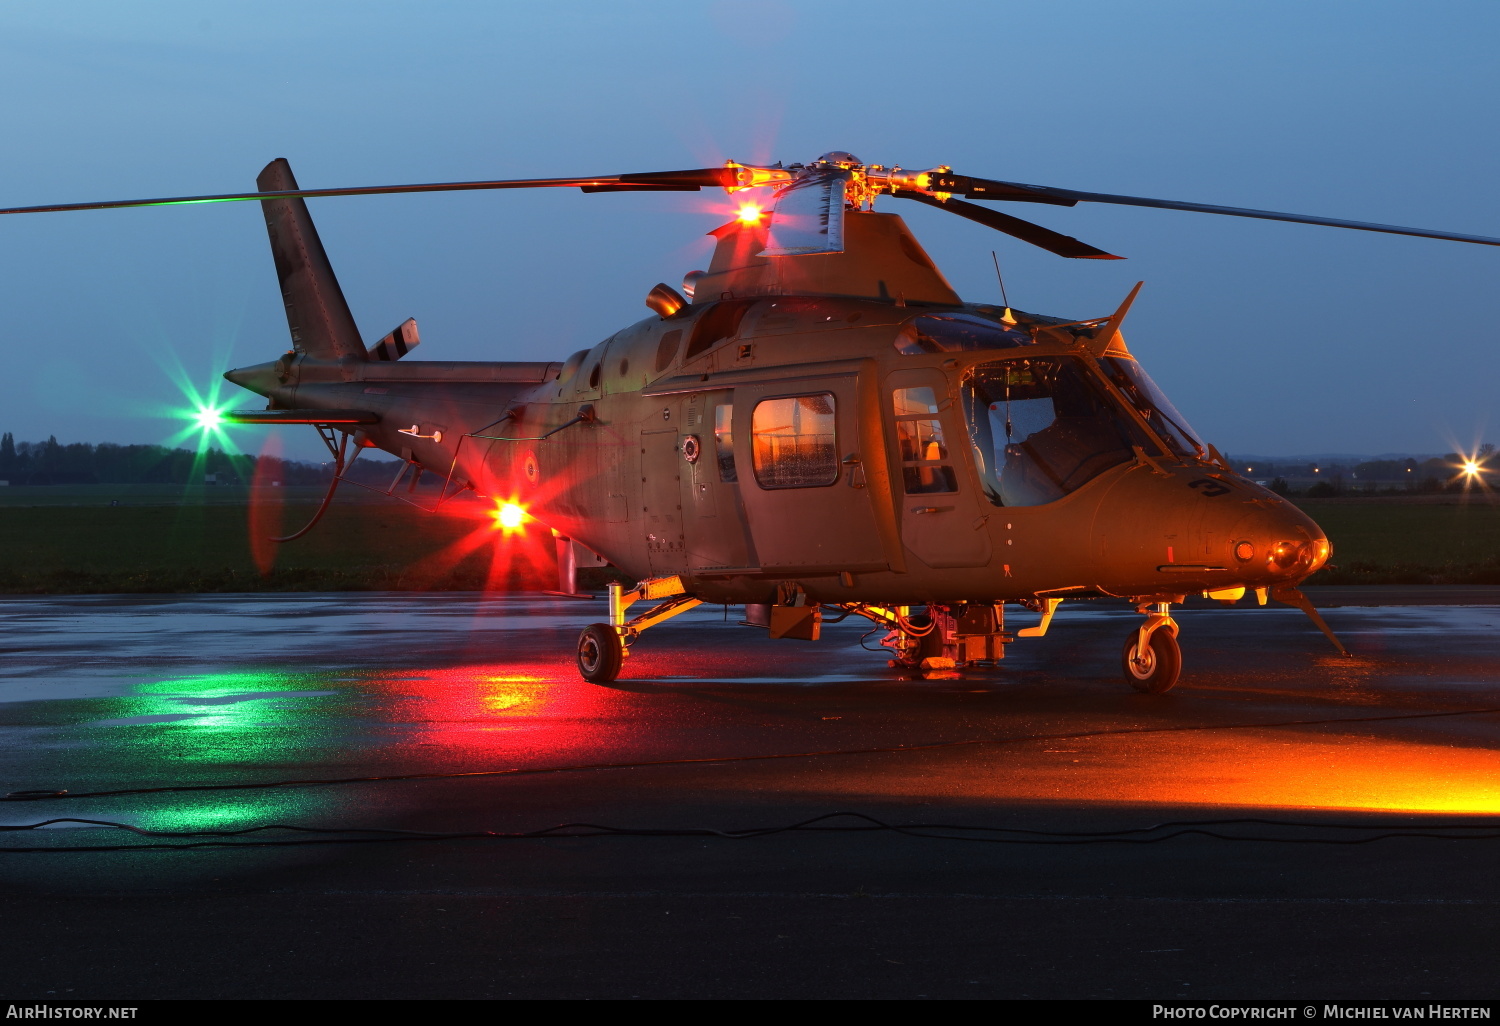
x=923 y=450
x=714 y=325
x=1042 y=428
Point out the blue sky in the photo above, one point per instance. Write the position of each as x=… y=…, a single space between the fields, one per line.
x=1271 y=338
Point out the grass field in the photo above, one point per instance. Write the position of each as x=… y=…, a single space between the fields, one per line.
x=70 y=539
x=77 y=542
x=1409 y=541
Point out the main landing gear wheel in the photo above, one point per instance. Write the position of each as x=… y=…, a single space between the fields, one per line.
x=1155 y=670
x=600 y=653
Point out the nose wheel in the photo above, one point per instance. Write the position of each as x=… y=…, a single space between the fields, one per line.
x=601 y=652
x=1152 y=658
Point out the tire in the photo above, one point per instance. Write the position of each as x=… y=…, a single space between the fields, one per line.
x=1163 y=664
x=600 y=653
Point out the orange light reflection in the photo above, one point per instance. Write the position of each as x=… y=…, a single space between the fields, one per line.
x=1268 y=770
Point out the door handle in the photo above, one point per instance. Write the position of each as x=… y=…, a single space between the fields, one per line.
x=919 y=510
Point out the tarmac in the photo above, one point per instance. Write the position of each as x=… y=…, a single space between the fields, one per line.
x=1031 y=858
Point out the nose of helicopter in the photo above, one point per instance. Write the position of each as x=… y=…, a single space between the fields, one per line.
x=1275 y=543
x=1186 y=531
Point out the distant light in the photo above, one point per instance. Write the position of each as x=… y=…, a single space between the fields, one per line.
x=510 y=516
x=1471 y=468
x=749 y=213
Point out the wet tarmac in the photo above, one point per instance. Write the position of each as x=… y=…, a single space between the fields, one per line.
x=473 y=705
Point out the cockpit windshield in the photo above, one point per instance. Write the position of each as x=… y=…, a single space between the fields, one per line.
x=1152 y=404
x=1042 y=428
x=957 y=333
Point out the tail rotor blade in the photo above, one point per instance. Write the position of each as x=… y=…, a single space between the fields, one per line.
x=1046 y=238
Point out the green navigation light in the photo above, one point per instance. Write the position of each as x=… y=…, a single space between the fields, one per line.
x=202 y=422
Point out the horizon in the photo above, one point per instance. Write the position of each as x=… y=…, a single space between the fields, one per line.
x=1234 y=457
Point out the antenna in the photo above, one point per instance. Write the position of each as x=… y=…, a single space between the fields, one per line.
x=1000 y=278
x=1007 y=317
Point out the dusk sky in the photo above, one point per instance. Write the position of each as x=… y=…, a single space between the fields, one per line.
x=1272 y=338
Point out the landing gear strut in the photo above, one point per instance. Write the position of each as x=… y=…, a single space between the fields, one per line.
x=602 y=647
x=1152 y=657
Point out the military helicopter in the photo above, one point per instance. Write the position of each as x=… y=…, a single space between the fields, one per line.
x=815 y=426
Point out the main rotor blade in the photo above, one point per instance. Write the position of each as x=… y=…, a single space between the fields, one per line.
x=1046 y=238
x=649 y=181
x=984 y=188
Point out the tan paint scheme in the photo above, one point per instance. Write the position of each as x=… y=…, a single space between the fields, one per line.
x=620 y=485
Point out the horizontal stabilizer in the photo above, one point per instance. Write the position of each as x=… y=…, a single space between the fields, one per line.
x=301 y=417
x=397 y=344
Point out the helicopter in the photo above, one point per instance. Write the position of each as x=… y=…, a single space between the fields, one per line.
x=815 y=427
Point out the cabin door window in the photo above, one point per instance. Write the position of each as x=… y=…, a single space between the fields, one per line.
x=792 y=441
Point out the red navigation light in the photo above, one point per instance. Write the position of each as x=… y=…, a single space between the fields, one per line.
x=509 y=517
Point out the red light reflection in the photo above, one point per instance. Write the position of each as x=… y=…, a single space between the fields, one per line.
x=266 y=500
x=486 y=711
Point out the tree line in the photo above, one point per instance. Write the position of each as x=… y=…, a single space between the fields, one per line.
x=1381 y=477
x=52 y=463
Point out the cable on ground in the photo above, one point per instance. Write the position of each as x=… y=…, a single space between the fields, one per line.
x=862 y=824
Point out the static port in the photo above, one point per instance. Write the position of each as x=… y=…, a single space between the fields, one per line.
x=1244 y=552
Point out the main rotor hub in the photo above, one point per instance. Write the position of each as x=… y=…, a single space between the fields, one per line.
x=862 y=182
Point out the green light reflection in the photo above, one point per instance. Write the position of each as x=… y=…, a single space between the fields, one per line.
x=245 y=726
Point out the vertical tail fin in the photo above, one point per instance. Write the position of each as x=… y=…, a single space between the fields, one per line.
x=319 y=317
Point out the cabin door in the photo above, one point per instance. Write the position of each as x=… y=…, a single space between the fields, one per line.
x=943 y=518
x=661 y=500
x=802 y=448
x=713 y=515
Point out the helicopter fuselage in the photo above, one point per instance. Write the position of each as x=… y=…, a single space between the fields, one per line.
x=666 y=461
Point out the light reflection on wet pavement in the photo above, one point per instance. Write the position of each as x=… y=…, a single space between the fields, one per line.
x=102 y=693
x=105 y=693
